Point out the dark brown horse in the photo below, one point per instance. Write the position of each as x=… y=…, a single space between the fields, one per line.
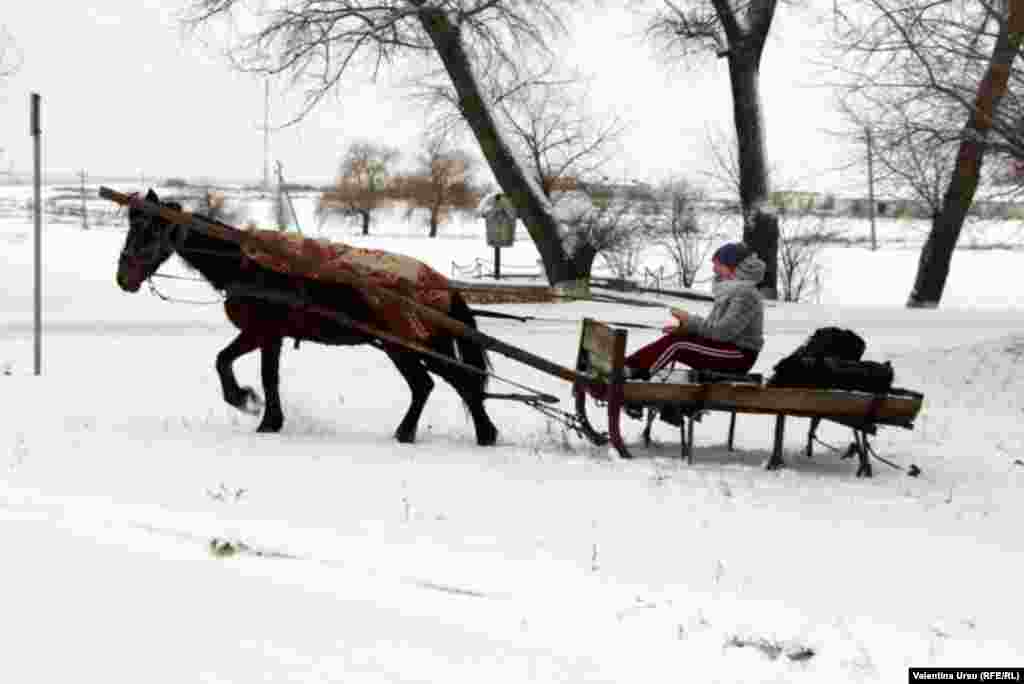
x=264 y=323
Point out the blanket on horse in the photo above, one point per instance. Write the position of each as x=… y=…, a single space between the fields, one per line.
x=365 y=269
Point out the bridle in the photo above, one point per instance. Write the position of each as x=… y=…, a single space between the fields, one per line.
x=170 y=238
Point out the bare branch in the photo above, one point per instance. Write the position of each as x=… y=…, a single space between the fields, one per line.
x=10 y=55
x=316 y=42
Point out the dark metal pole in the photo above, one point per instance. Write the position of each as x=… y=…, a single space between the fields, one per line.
x=37 y=284
x=497 y=263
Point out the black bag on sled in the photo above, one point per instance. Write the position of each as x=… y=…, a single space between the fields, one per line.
x=830 y=359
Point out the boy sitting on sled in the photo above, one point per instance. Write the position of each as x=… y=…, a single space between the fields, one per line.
x=729 y=339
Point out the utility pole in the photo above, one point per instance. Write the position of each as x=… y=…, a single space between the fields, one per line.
x=871 y=189
x=266 y=134
x=283 y=191
x=37 y=280
x=85 y=214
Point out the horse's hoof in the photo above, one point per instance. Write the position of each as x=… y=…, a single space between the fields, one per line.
x=405 y=436
x=488 y=438
x=246 y=401
x=270 y=426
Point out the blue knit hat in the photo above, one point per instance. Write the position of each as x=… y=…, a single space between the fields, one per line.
x=731 y=254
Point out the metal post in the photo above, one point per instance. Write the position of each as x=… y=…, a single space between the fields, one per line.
x=85 y=214
x=497 y=263
x=37 y=284
x=871 y=189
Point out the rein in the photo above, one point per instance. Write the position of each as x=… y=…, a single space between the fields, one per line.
x=173 y=240
x=179 y=300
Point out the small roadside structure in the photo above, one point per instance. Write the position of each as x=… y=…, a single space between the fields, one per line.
x=500 y=220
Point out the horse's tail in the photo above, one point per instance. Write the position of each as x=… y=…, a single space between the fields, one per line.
x=469 y=351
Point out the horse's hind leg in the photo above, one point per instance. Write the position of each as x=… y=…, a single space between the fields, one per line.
x=242 y=398
x=420 y=384
x=270 y=367
x=470 y=389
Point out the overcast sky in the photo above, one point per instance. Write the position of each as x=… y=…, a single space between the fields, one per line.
x=126 y=93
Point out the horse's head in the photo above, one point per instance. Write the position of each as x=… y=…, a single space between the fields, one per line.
x=150 y=242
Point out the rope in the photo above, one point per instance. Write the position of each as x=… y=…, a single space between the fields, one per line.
x=179 y=300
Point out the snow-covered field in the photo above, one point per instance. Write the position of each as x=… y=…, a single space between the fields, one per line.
x=541 y=559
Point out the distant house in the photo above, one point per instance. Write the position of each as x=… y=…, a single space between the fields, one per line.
x=795 y=200
x=637 y=190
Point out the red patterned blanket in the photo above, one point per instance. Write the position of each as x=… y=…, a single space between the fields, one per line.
x=366 y=269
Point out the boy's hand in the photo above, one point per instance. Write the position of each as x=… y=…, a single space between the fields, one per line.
x=671 y=329
x=680 y=315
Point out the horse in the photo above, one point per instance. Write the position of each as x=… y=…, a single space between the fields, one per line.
x=264 y=322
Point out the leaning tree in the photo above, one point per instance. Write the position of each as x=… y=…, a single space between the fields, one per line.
x=318 y=43
x=954 y=58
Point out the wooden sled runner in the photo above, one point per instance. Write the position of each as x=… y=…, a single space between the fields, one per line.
x=600 y=360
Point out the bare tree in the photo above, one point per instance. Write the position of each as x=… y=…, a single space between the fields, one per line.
x=800 y=270
x=563 y=146
x=10 y=62
x=10 y=56
x=442 y=182
x=957 y=56
x=317 y=43
x=911 y=156
x=687 y=240
x=737 y=31
x=724 y=168
x=360 y=187
x=596 y=222
x=557 y=136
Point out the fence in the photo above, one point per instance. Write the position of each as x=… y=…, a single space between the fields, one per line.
x=660 y=280
x=484 y=268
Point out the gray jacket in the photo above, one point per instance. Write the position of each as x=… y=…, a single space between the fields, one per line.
x=737 y=315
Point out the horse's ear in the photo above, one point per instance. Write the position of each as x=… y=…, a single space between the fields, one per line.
x=151 y=196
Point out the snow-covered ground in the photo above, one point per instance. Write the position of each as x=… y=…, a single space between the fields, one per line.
x=541 y=559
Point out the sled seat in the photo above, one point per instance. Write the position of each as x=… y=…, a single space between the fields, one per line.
x=685 y=397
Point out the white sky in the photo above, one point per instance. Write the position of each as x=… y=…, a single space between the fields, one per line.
x=125 y=93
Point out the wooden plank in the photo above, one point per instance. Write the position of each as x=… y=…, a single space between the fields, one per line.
x=599 y=341
x=796 y=401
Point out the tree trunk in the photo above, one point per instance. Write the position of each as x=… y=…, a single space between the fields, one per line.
x=760 y=228
x=583 y=259
x=366 y=221
x=433 y=222
x=937 y=252
x=532 y=207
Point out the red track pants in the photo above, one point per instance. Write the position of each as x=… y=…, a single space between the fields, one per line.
x=696 y=352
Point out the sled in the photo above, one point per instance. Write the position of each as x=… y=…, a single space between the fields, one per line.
x=600 y=364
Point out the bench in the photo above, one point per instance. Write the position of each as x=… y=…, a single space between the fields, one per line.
x=600 y=363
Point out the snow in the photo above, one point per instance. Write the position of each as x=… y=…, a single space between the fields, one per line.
x=541 y=559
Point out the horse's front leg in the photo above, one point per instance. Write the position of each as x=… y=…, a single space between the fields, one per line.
x=270 y=367
x=242 y=398
x=420 y=384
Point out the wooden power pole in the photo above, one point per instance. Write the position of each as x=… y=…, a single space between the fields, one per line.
x=871 y=189
x=85 y=214
x=37 y=219
x=266 y=134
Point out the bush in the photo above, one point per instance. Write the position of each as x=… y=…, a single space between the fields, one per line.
x=801 y=240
